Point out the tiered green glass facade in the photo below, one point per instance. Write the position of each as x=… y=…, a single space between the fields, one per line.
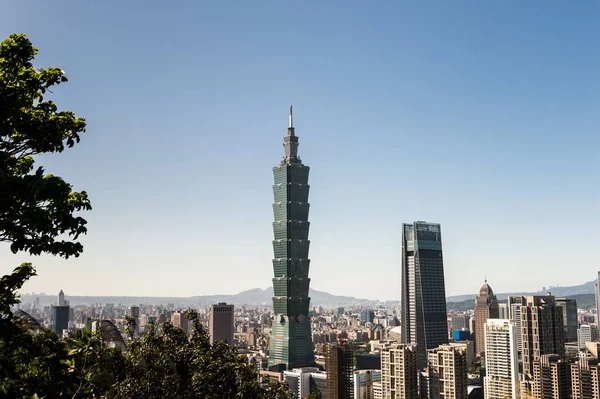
x=291 y=339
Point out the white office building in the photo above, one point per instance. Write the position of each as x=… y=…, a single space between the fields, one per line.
x=299 y=380
x=587 y=333
x=501 y=359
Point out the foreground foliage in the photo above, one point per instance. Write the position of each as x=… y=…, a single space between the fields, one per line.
x=163 y=364
x=37 y=210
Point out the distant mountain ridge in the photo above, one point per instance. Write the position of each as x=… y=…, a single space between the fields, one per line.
x=581 y=289
x=252 y=297
x=584 y=301
x=258 y=296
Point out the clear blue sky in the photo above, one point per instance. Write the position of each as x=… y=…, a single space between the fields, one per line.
x=481 y=116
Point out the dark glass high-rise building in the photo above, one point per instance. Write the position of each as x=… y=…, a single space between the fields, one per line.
x=60 y=318
x=367 y=316
x=423 y=303
x=542 y=330
x=570 y=321
x=291 y=340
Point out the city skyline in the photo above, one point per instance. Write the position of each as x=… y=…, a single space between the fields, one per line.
x=480 y=118
x=407 y=103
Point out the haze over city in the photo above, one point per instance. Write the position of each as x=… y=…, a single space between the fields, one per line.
x=479 y=116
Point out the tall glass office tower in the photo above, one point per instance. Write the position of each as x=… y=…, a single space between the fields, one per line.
x=423 y=306
x=291 y=340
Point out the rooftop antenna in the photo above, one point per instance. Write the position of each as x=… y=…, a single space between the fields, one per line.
x=291 y=117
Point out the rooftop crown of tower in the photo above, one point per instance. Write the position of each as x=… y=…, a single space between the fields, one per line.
x=486 y=290
x=290 y=143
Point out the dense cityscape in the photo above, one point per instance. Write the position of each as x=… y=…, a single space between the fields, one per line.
x=420 y=224
x=524 y=346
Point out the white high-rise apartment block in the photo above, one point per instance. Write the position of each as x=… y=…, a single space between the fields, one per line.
x=377 y=390
x=501 y=360
x=587 y=333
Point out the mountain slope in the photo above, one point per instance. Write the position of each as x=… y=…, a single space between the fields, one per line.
x=584 y=301
x=569 y=291
x=257 y=296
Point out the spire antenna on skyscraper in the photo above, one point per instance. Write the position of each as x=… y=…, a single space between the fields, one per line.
x=290 y=142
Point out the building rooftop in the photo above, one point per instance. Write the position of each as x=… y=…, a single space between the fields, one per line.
x=486 y=290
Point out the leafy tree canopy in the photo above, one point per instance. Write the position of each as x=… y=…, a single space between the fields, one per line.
x=164 y=364
x=37 y=210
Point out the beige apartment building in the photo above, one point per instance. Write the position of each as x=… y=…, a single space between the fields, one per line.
x=446 y=375
x=551 y=378
x=399 y=372
x=555 y=378
x=585 y=383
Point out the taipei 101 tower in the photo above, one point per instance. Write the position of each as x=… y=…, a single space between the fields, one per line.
x=291 y=339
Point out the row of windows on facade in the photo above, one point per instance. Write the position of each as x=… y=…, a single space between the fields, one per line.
x=291 y=202
x=223 y=309
x=290 y=183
